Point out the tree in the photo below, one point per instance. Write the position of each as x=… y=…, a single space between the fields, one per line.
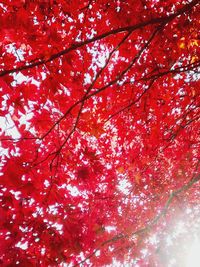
x=100 y=130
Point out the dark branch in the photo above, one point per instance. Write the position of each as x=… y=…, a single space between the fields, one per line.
x=75 y=46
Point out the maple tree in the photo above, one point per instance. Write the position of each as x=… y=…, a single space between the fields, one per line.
x=100 y=144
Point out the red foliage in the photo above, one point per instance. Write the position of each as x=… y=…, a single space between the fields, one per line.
x=100 y=109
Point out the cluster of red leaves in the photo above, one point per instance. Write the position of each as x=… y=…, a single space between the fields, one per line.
x=100 y=109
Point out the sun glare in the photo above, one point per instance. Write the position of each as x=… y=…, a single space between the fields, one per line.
x=193 y=257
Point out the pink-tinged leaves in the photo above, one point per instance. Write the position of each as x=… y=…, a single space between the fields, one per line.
x=99 y=118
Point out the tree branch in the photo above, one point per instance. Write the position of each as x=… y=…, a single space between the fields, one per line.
x=194 y=179
x=75 y=46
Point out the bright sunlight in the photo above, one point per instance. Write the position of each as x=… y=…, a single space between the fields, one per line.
x=193 y=257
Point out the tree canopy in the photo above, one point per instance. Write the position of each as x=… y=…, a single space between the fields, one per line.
x=100 y=131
